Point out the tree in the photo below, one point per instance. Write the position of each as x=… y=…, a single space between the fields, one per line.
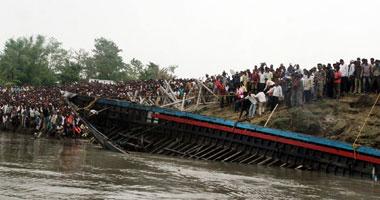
x=56 y=55
x=37 y=61
x=70 y=73
x=83 y=58
x=153 y=71
x=134 y=69
x=107 y=61
x=24 y=61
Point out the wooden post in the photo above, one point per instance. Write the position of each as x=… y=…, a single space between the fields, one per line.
x=135 y=95
x=266 y=123
x=183 y=102
x=199 y=95
x=203 y=99
x=129 y=96
x=170 y=104
x=170 y=89
x=207 y=89
x=168 y=95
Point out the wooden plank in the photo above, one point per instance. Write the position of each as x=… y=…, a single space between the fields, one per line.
x=274 y=162
x=199 y=82
x=224 y=154
x=201 y=151
x=162 y=145
x=249 y=158
x=210 y=152
x=265 y=161
x=170 y=89
x=243 y=156
x=191 y=150
x=232 y=156
x=198 y=99
x=256 y=160
x=169 y=146
x=183 y=102
x=218 y=154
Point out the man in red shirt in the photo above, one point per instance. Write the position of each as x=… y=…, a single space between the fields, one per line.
x=221 y=91
x=254 y=81
x=337 y=81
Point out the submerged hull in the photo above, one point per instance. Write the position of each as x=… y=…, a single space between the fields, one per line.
x=133 y=127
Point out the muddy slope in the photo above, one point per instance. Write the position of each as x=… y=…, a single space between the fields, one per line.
x=334 y=119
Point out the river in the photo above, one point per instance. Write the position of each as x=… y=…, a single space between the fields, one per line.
x=75 y=169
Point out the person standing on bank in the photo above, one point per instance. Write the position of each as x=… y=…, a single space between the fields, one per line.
x=245 y=105
x=366 y=75
x=337 y=82
x=261 y=97
x=358 y=76
x=277 y=93
x=376 y=75
x=351 y=78
x=319 y=78
x=252 y=109
x=344 y=70
x=308 y=86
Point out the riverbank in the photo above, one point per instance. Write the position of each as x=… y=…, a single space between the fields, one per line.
x=333 y=119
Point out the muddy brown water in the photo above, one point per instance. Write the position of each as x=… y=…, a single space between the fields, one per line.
x=69 y=169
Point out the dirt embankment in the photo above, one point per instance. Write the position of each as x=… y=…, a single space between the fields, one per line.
x=334 y=119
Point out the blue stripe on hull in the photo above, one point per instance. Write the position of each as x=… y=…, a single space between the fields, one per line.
x=286 y=134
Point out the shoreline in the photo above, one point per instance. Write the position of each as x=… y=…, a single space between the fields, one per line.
x=332 y=119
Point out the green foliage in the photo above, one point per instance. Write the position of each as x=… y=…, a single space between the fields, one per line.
x=135 y=69
x=70 y=73
x=107 y=61
x=24 y=61
x=37 y=61
x=153 y=71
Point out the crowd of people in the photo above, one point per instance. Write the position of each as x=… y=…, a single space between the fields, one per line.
x=42 y=108
x=245 y=89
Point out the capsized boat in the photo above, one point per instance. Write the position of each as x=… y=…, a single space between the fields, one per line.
x=133 y=127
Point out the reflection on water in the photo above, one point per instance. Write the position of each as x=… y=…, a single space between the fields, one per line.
x=69 y=169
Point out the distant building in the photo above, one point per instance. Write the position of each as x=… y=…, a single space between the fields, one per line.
x=101 y=81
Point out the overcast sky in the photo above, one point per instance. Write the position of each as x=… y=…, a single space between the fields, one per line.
x=205 y=36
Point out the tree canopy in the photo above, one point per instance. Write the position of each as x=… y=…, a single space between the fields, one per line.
x=41 y=61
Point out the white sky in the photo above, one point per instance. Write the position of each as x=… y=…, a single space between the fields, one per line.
x=205 y=36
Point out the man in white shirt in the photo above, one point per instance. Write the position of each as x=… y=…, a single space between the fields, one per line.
x=269 y=84
x=268 y=74
x=261 y=97
x=351 y=79
x=261 y=80
x=252 y=109
x=344 y=69
x=277 y=93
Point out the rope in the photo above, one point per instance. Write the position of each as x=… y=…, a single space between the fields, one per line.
x=89 y=105
x=354 y=145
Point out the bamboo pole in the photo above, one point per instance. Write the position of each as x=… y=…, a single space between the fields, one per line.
x=199 y=95
x=207 y=89
x=266 y=123
x=170 y=104
x=183 y=102
x=168 y=95
x=170 y=89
